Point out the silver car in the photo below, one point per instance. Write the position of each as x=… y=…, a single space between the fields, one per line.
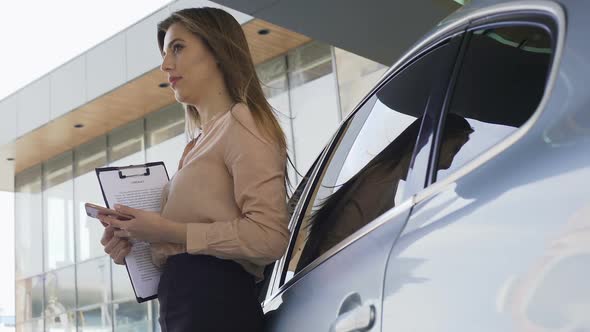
x=456 y=196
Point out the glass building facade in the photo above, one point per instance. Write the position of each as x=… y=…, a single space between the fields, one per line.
x=64 y=280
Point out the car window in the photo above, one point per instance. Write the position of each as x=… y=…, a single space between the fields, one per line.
x=499 y=86
x=366 y=171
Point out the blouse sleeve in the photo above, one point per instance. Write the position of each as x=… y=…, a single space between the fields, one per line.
x=260 y=235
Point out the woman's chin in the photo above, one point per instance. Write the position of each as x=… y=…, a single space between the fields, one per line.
x=183 y=98
x=179 y=96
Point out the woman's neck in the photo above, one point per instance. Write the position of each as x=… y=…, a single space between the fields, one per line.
x=216 y=103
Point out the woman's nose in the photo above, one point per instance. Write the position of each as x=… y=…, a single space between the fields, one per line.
x=166 y=64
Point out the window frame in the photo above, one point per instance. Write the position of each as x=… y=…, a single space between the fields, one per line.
x=263 y=290
x=278 y=283
x=553 y=24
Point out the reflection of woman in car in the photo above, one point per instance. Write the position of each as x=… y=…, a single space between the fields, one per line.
x=372 y=190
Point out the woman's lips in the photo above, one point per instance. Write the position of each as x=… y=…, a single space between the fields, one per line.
x=174 y=80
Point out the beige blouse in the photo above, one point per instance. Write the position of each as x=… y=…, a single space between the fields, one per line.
x=230 y=191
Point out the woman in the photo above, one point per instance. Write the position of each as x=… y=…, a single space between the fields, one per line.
x=223 y=215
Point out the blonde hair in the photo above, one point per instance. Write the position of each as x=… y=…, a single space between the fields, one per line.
x=224 y=37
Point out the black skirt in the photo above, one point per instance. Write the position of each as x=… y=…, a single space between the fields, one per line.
x=205 y=293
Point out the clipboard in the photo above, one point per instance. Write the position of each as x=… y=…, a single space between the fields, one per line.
x=129 y=172
x=139 y=187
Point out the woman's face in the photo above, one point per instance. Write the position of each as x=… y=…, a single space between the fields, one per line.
x=192 y=69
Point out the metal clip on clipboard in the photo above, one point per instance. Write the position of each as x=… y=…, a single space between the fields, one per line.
x=123 y=176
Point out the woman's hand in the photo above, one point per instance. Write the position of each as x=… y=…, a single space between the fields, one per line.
x=115 y=246
x=146 y=226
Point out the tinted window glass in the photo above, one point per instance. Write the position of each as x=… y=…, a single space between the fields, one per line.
x=60 y=291
x=131 y=316
x=29 y=298
x=28 y=208
x=93 y=282
x=58 y=211
x=500 y=84
x=366 y=171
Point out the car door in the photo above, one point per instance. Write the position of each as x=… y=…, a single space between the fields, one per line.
x=496 y=242
x=358 y=201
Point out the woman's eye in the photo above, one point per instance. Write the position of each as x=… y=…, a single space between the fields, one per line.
x=176 y=48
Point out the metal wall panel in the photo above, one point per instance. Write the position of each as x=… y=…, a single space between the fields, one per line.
x=142 y=45
x=106 y=67
x=34 y=104
x=8 y=110
x=68 y=87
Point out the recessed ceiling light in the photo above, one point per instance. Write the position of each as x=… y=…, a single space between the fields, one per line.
x=263 y=32
x=78 y=125
x=164 y=85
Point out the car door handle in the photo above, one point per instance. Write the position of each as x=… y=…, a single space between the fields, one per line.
x=358 y=319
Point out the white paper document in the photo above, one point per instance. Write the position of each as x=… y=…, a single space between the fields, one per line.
x=139 y=187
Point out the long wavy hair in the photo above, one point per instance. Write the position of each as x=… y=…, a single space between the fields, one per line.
x=225 y=39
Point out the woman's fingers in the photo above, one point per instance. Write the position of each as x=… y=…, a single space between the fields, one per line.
x=120 y=257
x=122 y=233
x=116 y=247
x=107 y=235
x=114 y=241
x=120 y=251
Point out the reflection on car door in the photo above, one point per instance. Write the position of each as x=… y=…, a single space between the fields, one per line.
x=332 y=274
